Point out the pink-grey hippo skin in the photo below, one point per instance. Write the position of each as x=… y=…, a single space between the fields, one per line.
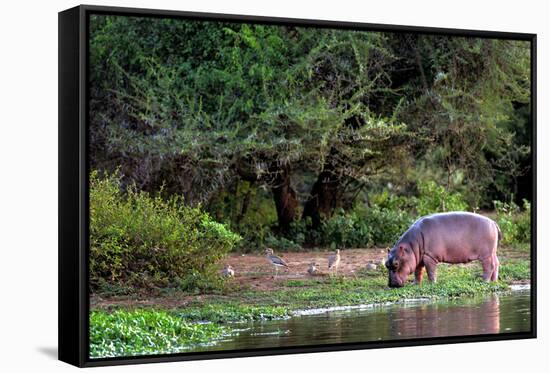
x=450 y=237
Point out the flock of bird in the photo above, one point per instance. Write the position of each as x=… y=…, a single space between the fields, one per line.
x=277 y=262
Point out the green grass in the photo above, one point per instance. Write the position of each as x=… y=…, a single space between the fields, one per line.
x=142 y=332
x=515 y=270
x=453 y=282
x=222 y=313
x=366 y=288
x=371 y=287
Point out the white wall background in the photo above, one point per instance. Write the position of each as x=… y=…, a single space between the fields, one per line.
x=28 y=183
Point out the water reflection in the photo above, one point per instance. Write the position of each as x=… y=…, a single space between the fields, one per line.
x=465 y=318
x=488 y=315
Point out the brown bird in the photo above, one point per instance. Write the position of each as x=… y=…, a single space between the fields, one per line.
x=275 y=260
x=334 y=261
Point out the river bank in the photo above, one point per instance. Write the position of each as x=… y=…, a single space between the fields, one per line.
x=193 y=319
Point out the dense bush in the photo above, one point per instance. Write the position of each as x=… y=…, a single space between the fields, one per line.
x=142 y=240
x=248 y=210
x=435 y=198
x=365 y=227
x=281 y=243
x=387 y=225
x=380 y=222
x=346 y=230
x=387 y=217
x=514 y=222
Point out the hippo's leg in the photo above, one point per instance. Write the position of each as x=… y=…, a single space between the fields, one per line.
x=496 y=264
x=488 y=267
x=431 y=266
x=418 y=274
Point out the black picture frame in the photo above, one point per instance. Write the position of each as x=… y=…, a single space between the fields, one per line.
x=73 y=185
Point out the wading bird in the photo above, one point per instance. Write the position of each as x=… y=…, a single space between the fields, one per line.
x=275 y=260
x=371 y=266
x=334 y=261
x=312 y=268
x=228 y=271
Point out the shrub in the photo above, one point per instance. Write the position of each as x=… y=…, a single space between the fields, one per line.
x=281 y=244
x=345 y=230
x=142 y=241
x=435 y=198
x=515 y=223
x=387 y=217
x=387 y=224
x=523 y=221
x=248 y=210
x=380 y=224
x=254 y=238
x=386 y=200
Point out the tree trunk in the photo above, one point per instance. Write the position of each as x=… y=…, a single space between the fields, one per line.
x=245 y=204
x=285 y=199
x=323 y=198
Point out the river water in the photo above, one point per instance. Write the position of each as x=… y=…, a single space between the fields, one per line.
x=415 y=319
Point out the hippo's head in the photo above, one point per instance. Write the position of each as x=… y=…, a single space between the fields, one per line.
x=401 y=263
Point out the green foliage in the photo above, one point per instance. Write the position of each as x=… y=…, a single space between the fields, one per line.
x=435 y=198
x=464 y=111
x=217 y=112
x=345 y=230
x=386 y=224
x=143 y=332
x=109 y=288
x=514 y=222
x=144 y=241
x=248 y=210
x=387 y=217
x=282 y=243
x=376 y=225
x=514 y=270
x=225 y=100
x=223 y=313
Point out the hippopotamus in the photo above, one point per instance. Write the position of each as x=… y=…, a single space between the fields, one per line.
x=450 y=237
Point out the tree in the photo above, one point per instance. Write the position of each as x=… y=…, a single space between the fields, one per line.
x=269 y=102
x=463 y=110
x=312 y=115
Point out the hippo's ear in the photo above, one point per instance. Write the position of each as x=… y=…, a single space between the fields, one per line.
x=401 y=250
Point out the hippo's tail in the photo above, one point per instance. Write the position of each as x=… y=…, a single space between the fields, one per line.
x=499 y=232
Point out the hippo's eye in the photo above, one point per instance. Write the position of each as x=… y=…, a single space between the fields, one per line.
x=392 y=264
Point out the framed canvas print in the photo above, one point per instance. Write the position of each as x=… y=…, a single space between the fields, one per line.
x=238 y=186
